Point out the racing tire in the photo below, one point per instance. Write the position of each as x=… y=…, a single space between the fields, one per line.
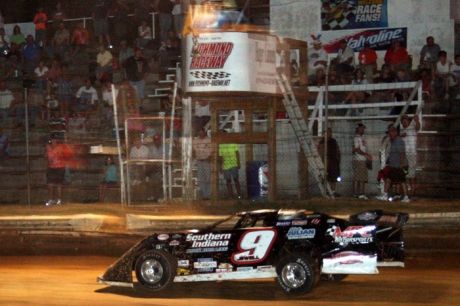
x=156 y=269
x=296 y=274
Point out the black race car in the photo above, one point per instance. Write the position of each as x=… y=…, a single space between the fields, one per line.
x=297 y=247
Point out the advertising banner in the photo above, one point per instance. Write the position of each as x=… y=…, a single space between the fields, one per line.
x=230 y=61
x=353 y=14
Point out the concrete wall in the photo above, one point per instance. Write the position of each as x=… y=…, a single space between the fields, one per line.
x=300 y=19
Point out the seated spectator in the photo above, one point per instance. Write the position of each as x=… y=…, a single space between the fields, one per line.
x=41 y=75
x=64 y=91
x=429 y=55
x=53 y=75
x=110 y=178
x=168 y=51
x=6 y=102
x=345 y=60
x=18 y=38
x=134 y=125
x=455 y=69
x=4 y=42
x=368 y=61
x=397 y=57
x=424 y=76
x=35 y=104
x=317 y=58
x=79 y=40
x=104 y=63
x=385 y=77
x=13 y=63
x=61 y=42
x=87 y=98
x=4 y=145
x=144 y=35
x=443 y=76
x=52 y=105
x=400 y=94
x=32 y=55
x=125 y=52
x=354 y=96
x=76 y=127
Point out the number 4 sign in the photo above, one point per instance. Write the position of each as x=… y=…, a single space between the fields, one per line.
x=254 y=246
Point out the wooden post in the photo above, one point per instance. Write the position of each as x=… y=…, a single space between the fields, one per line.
x=271 y=126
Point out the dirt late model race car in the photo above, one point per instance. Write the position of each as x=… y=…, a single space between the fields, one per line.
x=297 y=247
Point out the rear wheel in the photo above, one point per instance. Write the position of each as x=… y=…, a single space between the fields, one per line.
x=156 y=269
x=296 y=273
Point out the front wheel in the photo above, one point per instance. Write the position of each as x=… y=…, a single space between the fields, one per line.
x=296 y=274
x=156 y=269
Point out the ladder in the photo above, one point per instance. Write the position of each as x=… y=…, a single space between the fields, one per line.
x=304 y=136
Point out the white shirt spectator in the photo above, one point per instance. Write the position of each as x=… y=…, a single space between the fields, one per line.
x=6 y=97
x=87 y=94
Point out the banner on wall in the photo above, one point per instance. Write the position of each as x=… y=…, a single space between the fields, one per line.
x=380 y=39
x=353 y=14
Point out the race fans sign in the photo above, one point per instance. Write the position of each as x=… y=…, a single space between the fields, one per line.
x=230 y=61
x=353 y=14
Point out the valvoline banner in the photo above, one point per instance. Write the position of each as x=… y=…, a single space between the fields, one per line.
x=353 y=14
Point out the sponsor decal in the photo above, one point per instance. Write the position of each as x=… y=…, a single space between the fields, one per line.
x=264 y=268
x=223 y=270
x=300 y=233
x=183 y=263
x=176 y=236
x=366 y=216
x=174 y=242
x=225 y=266
x=299 y=222
x=163 y=237
x=316 y=221
x=205 y=265
x=208 y=242
x=353 y=234
x=244 y=269
x=330 y=221
x=313 y=216
x=283 y=223
x=350 y=262
x=389 y=219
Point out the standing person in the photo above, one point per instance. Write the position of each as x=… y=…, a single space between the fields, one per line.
x=202 y=149
x=58 y=15
x=333 y=159
x=359 y=163
x=110 y=178
x=79 y=39
x=429 y=55
x=40 y=20
x=317 y=59
x=397 y=161
x=178 y=19
x=136 y=68
x=101 y=23
x=55 y=171
x=164 y=10
x=409 y=130
x=6 y=102
x=104 y=63
x=368 y=61
x=4 y=145
x=345 y=60
x=229 y=158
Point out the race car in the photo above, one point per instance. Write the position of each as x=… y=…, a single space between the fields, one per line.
x=296 y=247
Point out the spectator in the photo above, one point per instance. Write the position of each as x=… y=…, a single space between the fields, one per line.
x=35 y=103
x=32 y=55
x=144 y=35
x=455 y=69
x=138 y=151
x=125 y=52
x=134 y=124
x=397 y=57
x=52 y=105
x=358 y=95
x=79 y=39
x=360 y=160
x=178 y=19
x=229 y=160
x=429 y=55
x=110 y=178
x=345 y=60
x=168 y=52
x=6 y=102
x=100 y=19
x=4 y=145
x=409 y=130
x=18 y=38
x=164 y=10
x=400 y=94
x=424 y=76
x=317 y=58
x=56 y=156
x=40 y=20
x=202 y=115
x=107 y=99
x=104 y=63
x=159 y=151
x=333 y=159
x=397 y=161
x=61 y=42
x=4 y=42
x=64 y=91
x=120 y=11
x=41 y=75
x=58 y=127
x=368 y=61
x=58 y=15
x=142 y=10
x=77 y=126
x=136 y=69
x=443 y=76
x=202 y=151
x=385 y=77
x=87 y=99
x=53 y=75
x=13 y=62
